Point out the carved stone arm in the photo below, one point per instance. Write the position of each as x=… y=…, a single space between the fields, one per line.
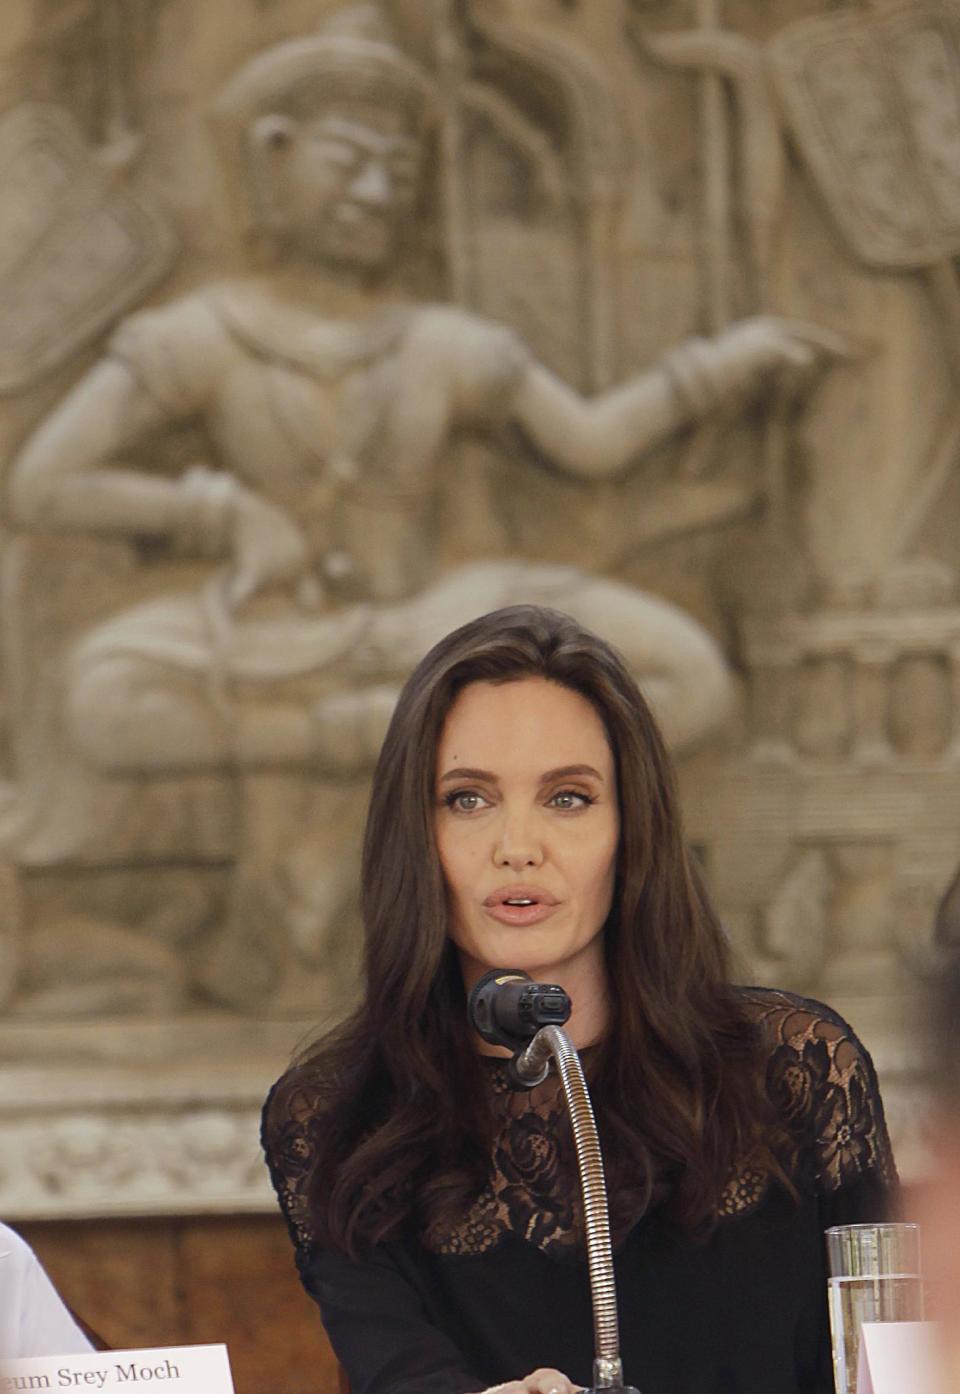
x=63 y=480
x=597 y=439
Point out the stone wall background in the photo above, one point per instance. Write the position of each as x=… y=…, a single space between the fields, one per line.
x=606 y=181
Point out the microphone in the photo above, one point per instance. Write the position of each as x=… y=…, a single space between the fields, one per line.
x=507 y=1008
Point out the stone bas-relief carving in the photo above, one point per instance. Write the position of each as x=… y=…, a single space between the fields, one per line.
x=898 y=203
x=511 y=298
x=330 y=399
x=128 y=1161
x=854 y=702
x=76 y=249
x=79 y=1139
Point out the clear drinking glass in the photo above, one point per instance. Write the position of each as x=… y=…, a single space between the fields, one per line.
x=874 y=1276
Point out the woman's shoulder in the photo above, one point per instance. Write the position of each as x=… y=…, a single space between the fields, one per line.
x=822 y=1082
x=810 y=1048
x=291 y=1114
x=786 y=1017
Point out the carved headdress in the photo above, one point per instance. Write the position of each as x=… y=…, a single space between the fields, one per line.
x=353 y=56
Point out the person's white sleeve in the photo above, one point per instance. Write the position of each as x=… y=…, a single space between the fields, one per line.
x=35 y=1320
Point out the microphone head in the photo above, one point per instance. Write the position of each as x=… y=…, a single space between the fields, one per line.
x=507 y=1008
x=483 y=994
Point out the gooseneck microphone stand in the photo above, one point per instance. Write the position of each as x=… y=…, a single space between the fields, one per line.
x=506 y=1008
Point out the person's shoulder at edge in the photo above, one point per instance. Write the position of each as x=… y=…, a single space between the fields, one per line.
x=823 y=1083
x=33 y=1318
x=294 y=1103
x=15 y=1253
x=291 y=1115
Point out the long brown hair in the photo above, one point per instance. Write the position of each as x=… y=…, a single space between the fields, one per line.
x=402 y=1130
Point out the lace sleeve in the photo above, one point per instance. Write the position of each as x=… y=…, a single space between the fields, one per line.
x=288 y=1120
x=824 y=1085
x=372 y=1308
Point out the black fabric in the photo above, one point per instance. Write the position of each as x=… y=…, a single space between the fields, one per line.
x=507 y=1290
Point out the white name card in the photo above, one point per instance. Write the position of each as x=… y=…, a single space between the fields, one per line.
x=175 y=1369
x=899 y=1356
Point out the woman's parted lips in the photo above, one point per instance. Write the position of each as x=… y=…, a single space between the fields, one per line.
x=520 y=893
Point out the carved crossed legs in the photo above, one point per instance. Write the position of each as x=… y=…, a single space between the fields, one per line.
x=679 y=666
x=154 y=691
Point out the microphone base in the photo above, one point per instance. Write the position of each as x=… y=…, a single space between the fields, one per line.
x=608 y=1377
x=613 y=1389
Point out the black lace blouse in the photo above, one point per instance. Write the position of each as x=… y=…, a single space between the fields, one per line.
x=506 y=1290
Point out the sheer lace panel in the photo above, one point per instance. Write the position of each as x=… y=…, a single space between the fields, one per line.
x=820 y=1080
x=819 y=1077
x=289 y=1117
x=823 y=1083
x=533 y=1191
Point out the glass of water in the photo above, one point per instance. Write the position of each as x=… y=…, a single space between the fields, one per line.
x=874 y=1276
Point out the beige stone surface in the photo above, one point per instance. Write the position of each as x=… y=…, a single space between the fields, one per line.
x=337 y=325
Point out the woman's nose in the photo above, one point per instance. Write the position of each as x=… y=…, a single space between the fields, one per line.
x=517 y=846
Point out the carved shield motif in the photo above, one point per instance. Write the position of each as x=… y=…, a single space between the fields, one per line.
x=75 y=249
x=874 y=103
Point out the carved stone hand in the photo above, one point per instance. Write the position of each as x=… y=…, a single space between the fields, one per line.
x=268 y=548
x=753 y=350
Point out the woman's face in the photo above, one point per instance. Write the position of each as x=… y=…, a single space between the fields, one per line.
x=527 y=826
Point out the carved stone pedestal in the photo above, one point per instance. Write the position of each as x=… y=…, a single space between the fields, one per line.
x=121 y=1118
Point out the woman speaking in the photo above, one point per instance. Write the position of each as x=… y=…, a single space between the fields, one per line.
x=524 y=816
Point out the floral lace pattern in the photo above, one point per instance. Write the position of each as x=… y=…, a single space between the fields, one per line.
x=289 y=1150
x=820 y=1079
x=531 y=1192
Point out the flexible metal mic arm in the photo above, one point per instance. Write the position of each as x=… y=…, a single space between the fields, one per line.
x=507 y=1009
x=529 y=1068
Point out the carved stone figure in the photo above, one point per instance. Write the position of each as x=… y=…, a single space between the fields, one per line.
x=329 y=396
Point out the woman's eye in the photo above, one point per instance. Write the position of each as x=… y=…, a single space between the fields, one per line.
x=568 y=799
x=465 y=801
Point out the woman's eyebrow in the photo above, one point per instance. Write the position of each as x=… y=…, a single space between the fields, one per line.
x=561 y=772
x=484 y=775
x=567 y=771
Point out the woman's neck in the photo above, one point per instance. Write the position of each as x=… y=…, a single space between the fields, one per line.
x=590 y=1015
